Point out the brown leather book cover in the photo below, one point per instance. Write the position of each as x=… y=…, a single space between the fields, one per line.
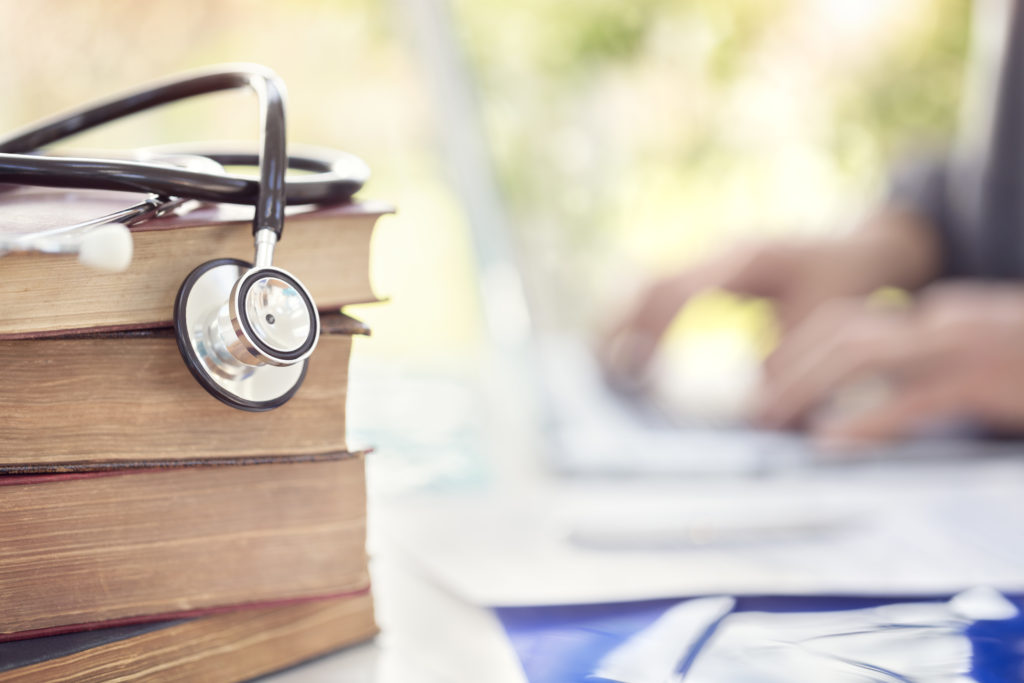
x=97 y=400
x=232 y=646
x=327 y=248
x=131 y=545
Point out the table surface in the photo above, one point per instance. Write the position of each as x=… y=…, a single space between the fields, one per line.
x=427 y=635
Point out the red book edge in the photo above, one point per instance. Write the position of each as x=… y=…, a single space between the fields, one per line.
x=23 y=474
x=165 y=616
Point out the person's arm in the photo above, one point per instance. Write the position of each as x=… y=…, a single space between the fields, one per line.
x=957 y=354
x=894 y=247
x=921 y=189
x=899 y=246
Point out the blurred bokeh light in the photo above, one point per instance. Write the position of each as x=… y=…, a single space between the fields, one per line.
x=627 y=135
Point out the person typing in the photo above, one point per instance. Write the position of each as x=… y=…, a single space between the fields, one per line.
x=951 y=233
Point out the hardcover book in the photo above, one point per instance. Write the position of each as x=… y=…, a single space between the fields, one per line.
x=128 y=545
x=231 y=646
x=92 y=401
x=326 y=247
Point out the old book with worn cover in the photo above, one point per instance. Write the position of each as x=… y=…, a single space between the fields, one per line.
x=92 y=401
x=326 y=247
x=77 y=550
x=128 y=495
x=233 y=646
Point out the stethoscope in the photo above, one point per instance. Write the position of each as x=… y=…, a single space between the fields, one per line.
x=246 y=331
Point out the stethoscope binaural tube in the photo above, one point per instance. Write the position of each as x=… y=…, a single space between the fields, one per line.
x=335 y=176
x=245 y=331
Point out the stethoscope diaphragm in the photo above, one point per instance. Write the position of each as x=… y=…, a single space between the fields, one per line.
x=245 y=333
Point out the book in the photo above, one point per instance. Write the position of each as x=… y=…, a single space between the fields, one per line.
x=327 y=248
x=110 y=399
x=226 y=647
x=127 y=545
x=220 y=544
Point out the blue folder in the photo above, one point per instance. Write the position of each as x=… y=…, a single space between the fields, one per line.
x=564 y=644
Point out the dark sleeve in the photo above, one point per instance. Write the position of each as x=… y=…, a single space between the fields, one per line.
x=922 y=186
x=975 y=199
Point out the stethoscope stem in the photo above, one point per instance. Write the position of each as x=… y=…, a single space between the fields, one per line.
x=102 y=243
x=264 y=240
x=152 y=207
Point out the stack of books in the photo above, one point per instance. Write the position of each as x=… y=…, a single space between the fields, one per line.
x=148 y=531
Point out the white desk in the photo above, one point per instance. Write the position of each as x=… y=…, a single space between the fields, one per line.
x=427 y=635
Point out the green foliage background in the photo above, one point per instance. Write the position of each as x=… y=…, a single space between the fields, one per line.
x=629 y=135
x=651 y=131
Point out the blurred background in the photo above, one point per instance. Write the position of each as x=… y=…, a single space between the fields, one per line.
x=627 y=137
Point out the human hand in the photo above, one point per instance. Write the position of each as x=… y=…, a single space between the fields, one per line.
x=893 y=248
x=957 y=354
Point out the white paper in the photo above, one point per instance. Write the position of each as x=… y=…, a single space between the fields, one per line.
x=909 y=529
x=898 y=642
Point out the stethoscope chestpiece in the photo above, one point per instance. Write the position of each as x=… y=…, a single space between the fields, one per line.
x=246 y=333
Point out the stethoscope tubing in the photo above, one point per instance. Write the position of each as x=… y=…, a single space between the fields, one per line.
x=335 y=176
